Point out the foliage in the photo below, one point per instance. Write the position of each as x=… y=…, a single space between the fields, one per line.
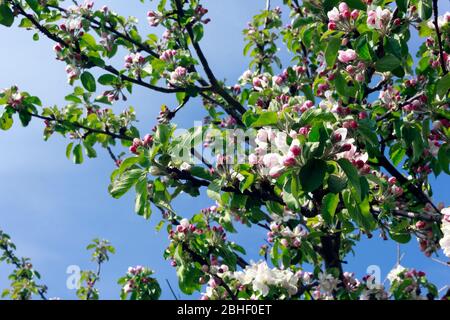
x=339 y=145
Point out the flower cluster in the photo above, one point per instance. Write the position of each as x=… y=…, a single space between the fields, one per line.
x=273 y=154
x=138 y=143
x=14 y=97
x=409 y=284
x=328 y=283
x=379 y=19
x=289 y=238
x=342 y=18
x=73 y=72
x=445 y=241
x=135 y=62
x=154 y=18
x=139 y=284
x=178 y=76
x=345 y=147
x=427 y=239
x=168 y=55
x=199 y=14
x=107 y=41
x=260 y=281
x=371 y=289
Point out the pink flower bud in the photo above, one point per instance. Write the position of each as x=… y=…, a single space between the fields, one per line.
x=57 y=47
x=346 y=14
x=421 y=224
x=296 y=150
x=289 y=161
x=336 y=137
x=332 y=25
x=133 y=149
x=148 y=139
x=304 y=131
x=343 y=7
x=392 y=180
x=362 y=115
x=360 y=77
x=346 y=147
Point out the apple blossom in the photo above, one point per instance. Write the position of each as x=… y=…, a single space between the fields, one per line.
x=379 y=18
x=331 y=152
x=346 y=56
x=445 y=228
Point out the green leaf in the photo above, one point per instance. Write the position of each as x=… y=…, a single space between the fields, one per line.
x=356 y=4
x=353 y=176
x=444 y=158
x=312 y=174
x=88 y=81
x=329 y=206
x=402 y=5
x=309 y=94
x=329 y=4
x=316 y=115
x=247 y=182
x=443 y=86
x=24 y=118
x=78 y=154
x=400 y=237
x=388 y=63
x=69 y=150
x=359 y=212
x=397 y=153
x=425 y=9
x=163 y=134
x=90 y=151
x=125 y=182
x=198 y=32
x=266 y=119
x=214 y=191
x=6 y=15
x=363 y=49
x=89 y=41
x=341 y=85
x=107 y=79
x=332 y=50
x=142 y=204
x=336 y=184
x=6 y=121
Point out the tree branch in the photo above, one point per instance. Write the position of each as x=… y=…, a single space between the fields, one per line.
x=216 y=87
x=80 y=126
x=108 y=68
x=418 y=194
x=439 y=37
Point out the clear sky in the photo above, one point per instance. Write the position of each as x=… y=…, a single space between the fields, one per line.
x=53 y=208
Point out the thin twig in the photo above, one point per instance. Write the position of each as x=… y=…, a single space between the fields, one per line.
x=171 y=290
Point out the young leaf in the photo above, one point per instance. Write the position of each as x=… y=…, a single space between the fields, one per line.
x=78 y=154
x=125 y=182
x=332 y=50
x=329 y=205
x=312 y=174
x=88 y=81
x=388 y=63
x=6 y=15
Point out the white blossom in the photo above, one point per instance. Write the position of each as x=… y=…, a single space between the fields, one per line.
x=394 y=273
x=445 y=241
x=442 y=21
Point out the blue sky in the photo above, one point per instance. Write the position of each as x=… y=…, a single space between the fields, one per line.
x=53 y=208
